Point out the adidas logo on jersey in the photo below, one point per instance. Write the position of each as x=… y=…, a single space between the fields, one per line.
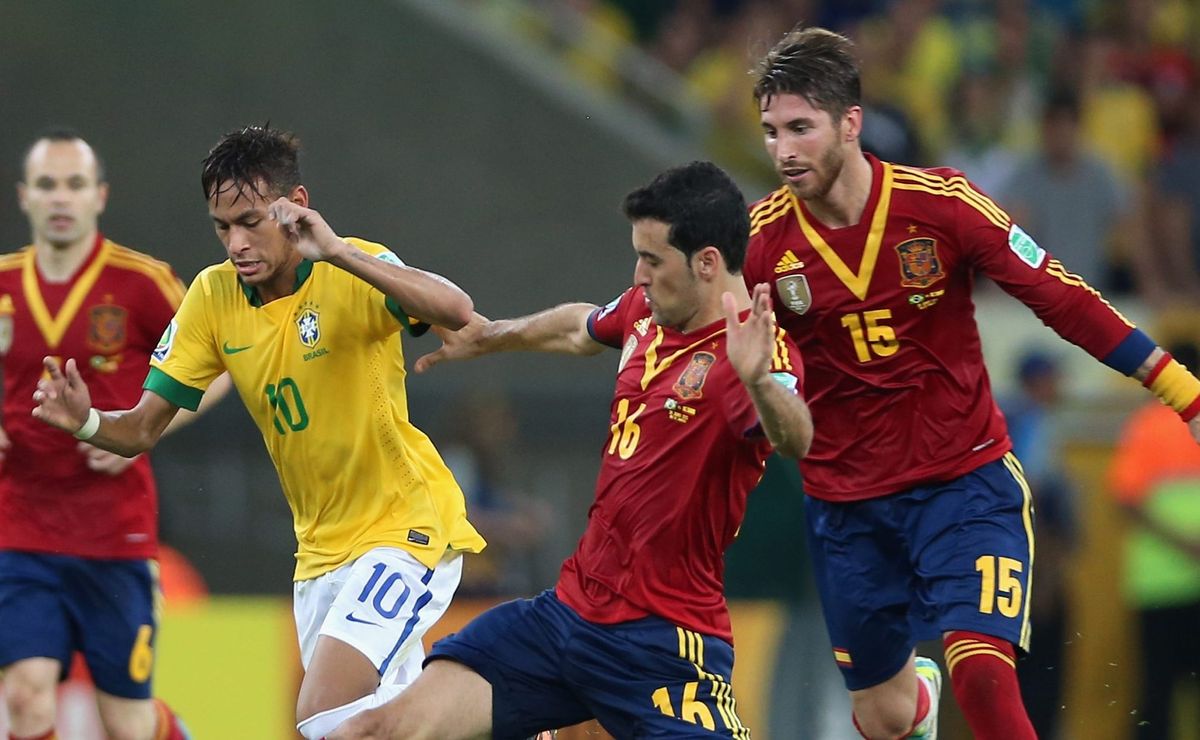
x=788 y=262
x=642 y=325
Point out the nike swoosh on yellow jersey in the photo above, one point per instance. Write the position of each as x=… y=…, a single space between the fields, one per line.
x=234 y=350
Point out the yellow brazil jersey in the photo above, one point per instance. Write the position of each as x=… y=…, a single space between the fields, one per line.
x=322 y=374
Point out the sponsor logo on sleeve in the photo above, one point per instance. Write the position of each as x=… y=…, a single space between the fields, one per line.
x=163 y=349
x=607 y=308
x=1025 y=247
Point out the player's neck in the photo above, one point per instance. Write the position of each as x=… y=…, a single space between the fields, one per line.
x=59 y=263
x=847 y=198
x=712 y=310
x=282 y=284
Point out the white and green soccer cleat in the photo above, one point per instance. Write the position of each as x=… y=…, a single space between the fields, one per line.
x=929 y=672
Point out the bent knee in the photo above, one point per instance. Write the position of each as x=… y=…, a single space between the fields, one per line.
x=880 y=727
x=128 y=719
x=30 y=693
x=885 y=720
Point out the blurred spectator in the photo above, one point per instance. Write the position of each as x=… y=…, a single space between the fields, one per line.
x=719 y=78
x=1119 y=119
x=1065 y=196
x=1037 y=444
x=602 y=34
x=1155 y=476
x=689 y=29
x=1015 y=43
x=923 y=60
x=975 y=144
x=1175 y=207
x=480 y=452
x=887 y=131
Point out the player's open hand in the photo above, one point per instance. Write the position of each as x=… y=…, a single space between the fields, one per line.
x=62 y=397
x=750 y=344
x=456 y=345
x=307 y=229
x=103 y=461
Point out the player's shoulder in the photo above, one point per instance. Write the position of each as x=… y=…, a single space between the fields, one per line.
x=125 y=258
x=218 y=279
x=13 y=260
x=939 y=172
x=768 y=212
x=946 y=186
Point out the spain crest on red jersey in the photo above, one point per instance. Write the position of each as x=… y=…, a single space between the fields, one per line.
x=692 y=379
x=919 y=263
x=106 y=327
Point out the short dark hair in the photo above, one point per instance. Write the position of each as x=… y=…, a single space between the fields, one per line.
x=814 y=63
x=250 y=158
x=702 y=205
x=61 y=134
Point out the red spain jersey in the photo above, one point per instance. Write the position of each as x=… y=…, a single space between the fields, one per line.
x=883 y=315
x=109 y=317
x=683 y=451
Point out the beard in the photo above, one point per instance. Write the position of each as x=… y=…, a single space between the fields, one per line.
x=825 y=174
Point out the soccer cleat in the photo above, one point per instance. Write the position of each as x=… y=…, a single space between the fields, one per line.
x=928 y=671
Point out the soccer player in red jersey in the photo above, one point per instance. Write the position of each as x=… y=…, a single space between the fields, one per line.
x=919 y=516
x=637 y=632
x=78 y=525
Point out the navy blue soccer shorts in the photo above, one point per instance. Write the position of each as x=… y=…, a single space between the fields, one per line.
x=550 y=668
x=54 y=605
x=896 y=570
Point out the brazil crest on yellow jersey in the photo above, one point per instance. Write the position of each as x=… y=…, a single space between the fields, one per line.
x=322 y=373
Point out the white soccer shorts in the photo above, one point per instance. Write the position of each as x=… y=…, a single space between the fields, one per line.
x=381 y=605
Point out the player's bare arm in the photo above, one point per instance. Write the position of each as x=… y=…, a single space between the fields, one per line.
x=111 y=463
x=63 y=401
x=424 y=295
x=750 y=346
x=562 y=330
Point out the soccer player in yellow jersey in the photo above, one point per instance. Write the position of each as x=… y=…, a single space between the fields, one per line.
x=307 y=324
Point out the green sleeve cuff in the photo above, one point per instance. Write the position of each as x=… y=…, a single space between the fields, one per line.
x=183 y=396
x=415 y=328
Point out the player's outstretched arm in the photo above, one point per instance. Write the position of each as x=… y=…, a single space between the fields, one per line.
x=424 y=295
x=750 y=346
x=562 y=329
x=63 y=401
x=111 y=463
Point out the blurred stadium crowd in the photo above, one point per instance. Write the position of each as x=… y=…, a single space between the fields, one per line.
x=1101 y=97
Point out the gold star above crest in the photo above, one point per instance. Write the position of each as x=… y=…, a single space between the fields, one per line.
x=912 y=229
